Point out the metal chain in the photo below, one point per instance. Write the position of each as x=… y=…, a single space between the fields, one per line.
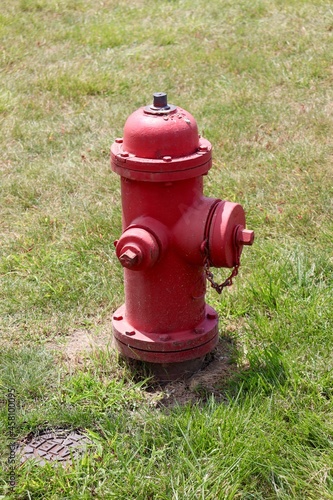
x=209 y=274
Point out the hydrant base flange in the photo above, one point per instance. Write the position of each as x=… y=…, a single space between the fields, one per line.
x=165 y=347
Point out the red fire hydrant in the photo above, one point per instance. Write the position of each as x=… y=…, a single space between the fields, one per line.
x=172 y=235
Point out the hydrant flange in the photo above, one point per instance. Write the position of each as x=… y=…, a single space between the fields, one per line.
x=173 y=347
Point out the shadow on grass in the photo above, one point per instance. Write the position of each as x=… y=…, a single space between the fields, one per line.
x=219 y=366
x=266 y=372
x=221 y=377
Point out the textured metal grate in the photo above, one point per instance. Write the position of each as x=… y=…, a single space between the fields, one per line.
x=56 y=446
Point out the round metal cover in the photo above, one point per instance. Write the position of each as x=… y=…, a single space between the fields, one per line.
x=60 y=446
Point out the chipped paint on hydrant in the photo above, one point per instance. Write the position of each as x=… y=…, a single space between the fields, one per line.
x=172 y=236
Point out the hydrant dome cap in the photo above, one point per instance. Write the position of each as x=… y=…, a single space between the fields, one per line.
x=154 y=136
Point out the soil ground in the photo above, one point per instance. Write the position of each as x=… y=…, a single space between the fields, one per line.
x=218 y=367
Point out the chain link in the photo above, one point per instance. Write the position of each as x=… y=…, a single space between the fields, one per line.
x=210 y=276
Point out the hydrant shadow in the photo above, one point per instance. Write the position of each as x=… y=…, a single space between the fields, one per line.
x=212 y=379
x=266 y=371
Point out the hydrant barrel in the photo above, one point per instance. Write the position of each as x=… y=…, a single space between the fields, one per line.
x=172 y=233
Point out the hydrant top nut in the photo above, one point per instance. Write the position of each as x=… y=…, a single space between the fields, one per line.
x=160 y=105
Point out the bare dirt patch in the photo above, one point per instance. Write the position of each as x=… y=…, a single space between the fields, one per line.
x=210 y=380
x=80 y=344
x=218 y=368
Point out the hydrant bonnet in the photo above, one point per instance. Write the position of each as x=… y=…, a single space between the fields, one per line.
x=161 y=145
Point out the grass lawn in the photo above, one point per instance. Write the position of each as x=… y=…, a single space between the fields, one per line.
x=257 y=76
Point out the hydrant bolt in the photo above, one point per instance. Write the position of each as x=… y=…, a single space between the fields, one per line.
x=212 y=315
x=245 y=237
x=130 y=258
x=131 y=333
x=137 y=249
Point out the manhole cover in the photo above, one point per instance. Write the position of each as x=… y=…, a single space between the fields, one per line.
x=54 y=446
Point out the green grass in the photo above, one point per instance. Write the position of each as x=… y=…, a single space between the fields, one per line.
x=257 y=76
